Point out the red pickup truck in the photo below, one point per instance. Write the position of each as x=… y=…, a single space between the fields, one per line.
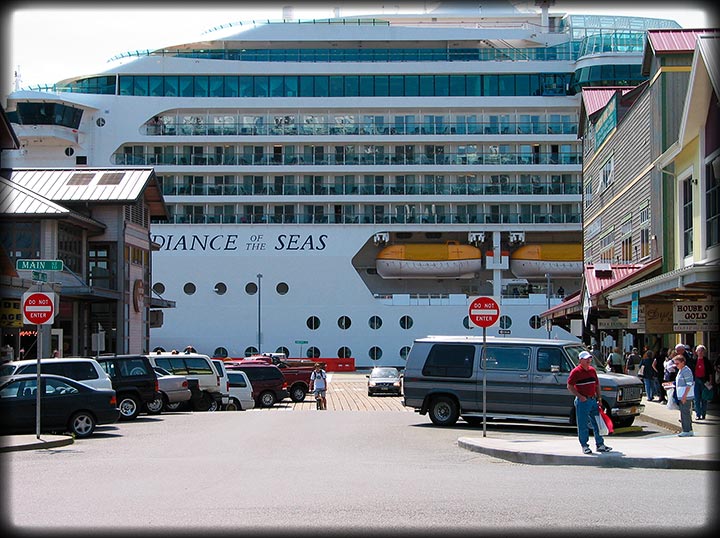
x=296 y=371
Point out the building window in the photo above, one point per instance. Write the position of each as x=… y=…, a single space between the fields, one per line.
x=70 y=247
x=712 y=203
x=645 y=232
x=607 y=174
x=687 y=217
x=607 y=249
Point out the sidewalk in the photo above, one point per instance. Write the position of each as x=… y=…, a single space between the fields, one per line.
x=14 y=443
x=700 y=452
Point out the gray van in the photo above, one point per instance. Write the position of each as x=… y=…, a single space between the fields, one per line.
x=526 y=380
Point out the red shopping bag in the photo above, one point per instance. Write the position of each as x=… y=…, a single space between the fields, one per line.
x=606 y=418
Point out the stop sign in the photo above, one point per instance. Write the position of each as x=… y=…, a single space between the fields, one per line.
x=484 y=311
x=38 y=308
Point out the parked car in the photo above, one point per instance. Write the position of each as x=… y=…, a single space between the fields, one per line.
x=268 y=382
x=85 y=370
x=197 y=366
x=224 y=385
x=384 y=380
x=526 y=380
x=297 y=375
x=65 y=405
x=241 y=391
x=174 y=390
x=134 y=381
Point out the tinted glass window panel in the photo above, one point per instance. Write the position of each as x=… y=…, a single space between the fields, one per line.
x=445 y=360
x=198 y=366
x=80 y=371
x=507 y=358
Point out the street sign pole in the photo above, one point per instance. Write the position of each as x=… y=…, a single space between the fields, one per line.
x=484 y=364
x=484 y=312
x=40 y=350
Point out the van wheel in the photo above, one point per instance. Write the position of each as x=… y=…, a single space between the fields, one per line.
x=129 y=406
x=297 y=393
x=443 y=411
x=267 y=399
x=233 y=405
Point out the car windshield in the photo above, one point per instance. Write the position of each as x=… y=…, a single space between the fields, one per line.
x=574 y=351
x=385 y=372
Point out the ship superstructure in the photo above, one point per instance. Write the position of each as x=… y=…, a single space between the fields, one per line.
x=340 y=187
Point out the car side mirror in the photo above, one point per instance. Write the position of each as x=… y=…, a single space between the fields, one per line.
x=555 y=369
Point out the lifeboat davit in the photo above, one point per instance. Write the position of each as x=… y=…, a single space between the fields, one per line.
x=556 y=259
x=429 y=260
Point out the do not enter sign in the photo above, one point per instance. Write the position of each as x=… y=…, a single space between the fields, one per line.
x=484 y=311
x=38 y=308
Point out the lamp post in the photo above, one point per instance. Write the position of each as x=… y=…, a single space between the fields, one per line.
x=548 y=322
x=259 y=318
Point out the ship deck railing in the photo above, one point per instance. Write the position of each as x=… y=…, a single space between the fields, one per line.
x=349 y=218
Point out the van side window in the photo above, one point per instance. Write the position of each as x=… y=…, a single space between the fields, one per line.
x=507 y=358
x=236 y=380
x=450 y=361
x=81 y=371
x=174 y=365
x=551 y=356
x=198 y=366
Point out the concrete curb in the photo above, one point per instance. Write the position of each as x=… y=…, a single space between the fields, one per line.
x=50 y=441
x=612 y=459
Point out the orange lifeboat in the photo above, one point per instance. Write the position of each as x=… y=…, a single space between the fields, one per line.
x=429 y=260
x=556 y=259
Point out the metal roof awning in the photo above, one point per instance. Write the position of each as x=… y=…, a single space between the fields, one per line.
x=690 y=282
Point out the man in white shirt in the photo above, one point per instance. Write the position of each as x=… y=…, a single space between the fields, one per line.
x=318 y=385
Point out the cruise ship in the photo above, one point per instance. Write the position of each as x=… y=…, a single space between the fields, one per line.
x=340 y=187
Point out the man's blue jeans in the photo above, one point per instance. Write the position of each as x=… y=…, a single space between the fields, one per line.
x=584 y=413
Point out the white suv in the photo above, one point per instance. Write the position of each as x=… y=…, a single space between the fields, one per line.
x=84 y=370
x=194 y=365
x=241 y=391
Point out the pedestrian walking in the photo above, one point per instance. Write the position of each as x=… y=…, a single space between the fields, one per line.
x=583 y=383
x=614 y=361
x=659 y=370
x=684 y=394
x=646 y=373
x=703 y=380
x=631 y=362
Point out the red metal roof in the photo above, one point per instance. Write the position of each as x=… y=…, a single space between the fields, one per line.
x=596 y=98
x=599 y=282
x=668 y=41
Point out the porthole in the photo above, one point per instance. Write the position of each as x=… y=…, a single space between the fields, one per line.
x=251 y=288
x=313 y=353
x=69 y=152
x=505 y=322
x=375 y=322
x=535 y=322
x=220 y=352
x=282 y=288
x=344 y=352
x=189 y=288
x=283 y=350
x=313 y=323
x=159 y=288
x=466 y=322
x=220 y=288
x=406 y=322
x=404 y=352
x=375 y=353
x=100 y=122
x=344 y=322
x=252 y=350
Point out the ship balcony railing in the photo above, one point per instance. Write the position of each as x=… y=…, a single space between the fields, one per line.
x=213 y=127
x=444 y=159
x=333 y=189
x=379 y=218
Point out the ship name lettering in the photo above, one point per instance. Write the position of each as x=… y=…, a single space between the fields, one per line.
x=196 y=242
x=297 y=242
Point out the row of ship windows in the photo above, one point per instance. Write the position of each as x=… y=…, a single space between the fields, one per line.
x=427 y=184
x=547 y=84
x=374 y=352
x=376 y=214
x=356 y=123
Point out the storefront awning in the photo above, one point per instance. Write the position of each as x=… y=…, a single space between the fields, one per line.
x=690 y=282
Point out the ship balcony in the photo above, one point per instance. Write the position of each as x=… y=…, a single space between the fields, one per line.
x=46 y=134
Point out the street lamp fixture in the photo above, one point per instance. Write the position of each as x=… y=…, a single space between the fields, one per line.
x=259 y=313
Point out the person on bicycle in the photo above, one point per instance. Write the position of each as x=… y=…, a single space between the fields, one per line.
x=318 y=384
